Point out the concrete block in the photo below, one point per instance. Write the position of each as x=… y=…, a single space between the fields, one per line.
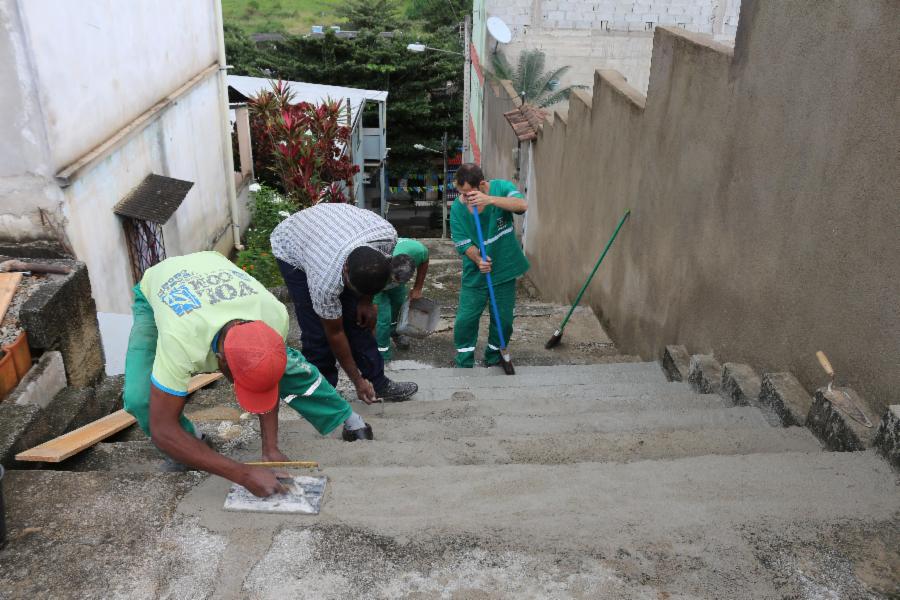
x=62 y=316
x=740 y=384
x=45 y=379
x=838 y=431
x=887 y=438
x=786 y=396
x=676 y=363
x=109 y=394
x=21 y=427
x=70 y=409
x=705 y=374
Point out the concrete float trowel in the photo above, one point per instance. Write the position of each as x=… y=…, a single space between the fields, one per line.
x=840 y=398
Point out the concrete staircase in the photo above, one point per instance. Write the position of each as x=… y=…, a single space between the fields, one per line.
x=564 y=481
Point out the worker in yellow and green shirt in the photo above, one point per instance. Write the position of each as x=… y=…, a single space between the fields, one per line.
x=408 y=255
x=497 y=201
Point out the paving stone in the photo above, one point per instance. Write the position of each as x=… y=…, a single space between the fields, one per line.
x=740 y=384
x=786 y=396
x=676 y=363
x=838 y=431
x=705 y=374
x=887 y=438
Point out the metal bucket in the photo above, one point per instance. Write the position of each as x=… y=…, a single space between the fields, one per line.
x=2 y=512
x=419 y=318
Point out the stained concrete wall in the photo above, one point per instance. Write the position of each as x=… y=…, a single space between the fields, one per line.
x=498 y=153
x=763 y=185
x=81 y=73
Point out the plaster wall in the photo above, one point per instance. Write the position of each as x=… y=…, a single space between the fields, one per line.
x=98 y=66
x=763 y=184
x=184 y=143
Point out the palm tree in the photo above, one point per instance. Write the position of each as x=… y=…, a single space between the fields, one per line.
x=529 y=79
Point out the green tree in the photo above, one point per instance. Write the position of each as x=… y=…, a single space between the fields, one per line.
x=439 y=13
x=539 y=87
x=425 y=89
x=370 y=15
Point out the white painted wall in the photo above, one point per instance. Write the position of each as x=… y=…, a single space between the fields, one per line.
x=101 y=63
x=185 y=143
x=74 y=74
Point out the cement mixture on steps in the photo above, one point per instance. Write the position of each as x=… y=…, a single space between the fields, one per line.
x=587 y=481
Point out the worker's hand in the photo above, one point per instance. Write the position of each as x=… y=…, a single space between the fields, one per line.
x=479 y=199
x=484 y=265
x=262 y=482
x=364 y=390
x=415 y=294
x=366 y=315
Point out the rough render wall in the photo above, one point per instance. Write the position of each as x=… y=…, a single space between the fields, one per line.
x=764 y=193
x=184 y=143
x=95 y=58
x=606 y=34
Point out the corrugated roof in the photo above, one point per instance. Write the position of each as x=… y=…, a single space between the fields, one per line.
x=156 y=199
x=309 y=92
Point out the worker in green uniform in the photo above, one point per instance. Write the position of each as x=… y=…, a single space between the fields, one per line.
x=497 y=200
x=408 y=255
x=200 y=313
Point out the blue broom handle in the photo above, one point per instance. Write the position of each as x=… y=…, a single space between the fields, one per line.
x=490 y=283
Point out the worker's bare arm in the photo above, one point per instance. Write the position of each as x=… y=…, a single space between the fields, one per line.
x=421 y=271
x=340 y=347
x=168 y=436
x=474 y=254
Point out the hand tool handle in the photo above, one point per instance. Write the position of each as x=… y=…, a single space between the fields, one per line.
x=596 y=266
x=300 y=464
x=490 y=283
x=826 y=364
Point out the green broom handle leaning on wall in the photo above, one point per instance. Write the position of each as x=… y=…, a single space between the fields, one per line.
x=557 y=336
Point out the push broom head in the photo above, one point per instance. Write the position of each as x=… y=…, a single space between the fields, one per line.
x=506 y=363
x=553 y=342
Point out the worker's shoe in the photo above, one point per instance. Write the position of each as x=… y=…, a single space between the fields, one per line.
x=363 y=433
x=401 y=341
x=396 y=391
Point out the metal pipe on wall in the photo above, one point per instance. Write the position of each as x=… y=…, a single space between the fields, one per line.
x=227 y=155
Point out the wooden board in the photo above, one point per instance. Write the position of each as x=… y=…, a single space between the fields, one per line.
x=61 y=448
x=202 y=380
x=67 y=445
x=8 y=284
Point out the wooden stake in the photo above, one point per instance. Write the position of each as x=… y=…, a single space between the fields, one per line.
x=8 y=284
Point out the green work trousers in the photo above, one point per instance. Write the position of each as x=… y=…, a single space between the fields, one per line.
x=302 y=387
x=465 y=330
x=388 y=303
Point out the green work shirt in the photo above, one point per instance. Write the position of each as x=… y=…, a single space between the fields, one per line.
x=416 y=250
x=192 y=298
x=500 y=240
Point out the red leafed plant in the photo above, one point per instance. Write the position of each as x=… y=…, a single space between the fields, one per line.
x=303 y=145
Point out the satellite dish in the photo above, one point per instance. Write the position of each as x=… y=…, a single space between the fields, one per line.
x=499 y=30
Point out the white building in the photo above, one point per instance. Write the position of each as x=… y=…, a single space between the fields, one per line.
x=116 y=107
x=368 y=145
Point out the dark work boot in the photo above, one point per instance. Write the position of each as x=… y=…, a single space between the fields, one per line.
x=363 y=433
x=396 y=391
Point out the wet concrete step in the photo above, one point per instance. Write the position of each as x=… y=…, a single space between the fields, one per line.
x=543 y=405
x=143 y=457
x=650 y=369
x=549 y=377
x=574 y=506
x=453 y=427
x=432 y=391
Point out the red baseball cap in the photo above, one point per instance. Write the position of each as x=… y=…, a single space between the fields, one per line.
x=256 y=358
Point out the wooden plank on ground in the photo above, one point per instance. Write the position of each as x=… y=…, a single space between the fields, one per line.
x=67 y=445
x=8 y=284
x=202 y=380
x=61 y=448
